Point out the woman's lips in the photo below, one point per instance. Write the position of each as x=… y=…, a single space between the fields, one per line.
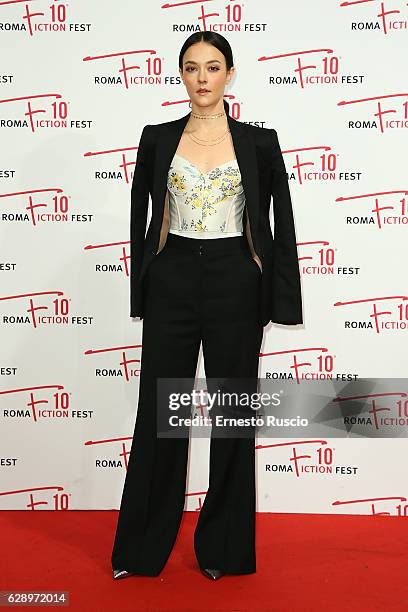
x=202 y=93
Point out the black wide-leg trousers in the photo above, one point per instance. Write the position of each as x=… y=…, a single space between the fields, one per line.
x=196 y=290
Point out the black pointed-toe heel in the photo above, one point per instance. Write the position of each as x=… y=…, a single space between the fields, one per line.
x=212 y=574
x=117 y=574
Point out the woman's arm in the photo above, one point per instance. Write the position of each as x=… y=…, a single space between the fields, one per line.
x=286 y=288
x=138 y=219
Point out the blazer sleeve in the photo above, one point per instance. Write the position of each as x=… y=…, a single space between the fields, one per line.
x=138 y=218
x=286 y=290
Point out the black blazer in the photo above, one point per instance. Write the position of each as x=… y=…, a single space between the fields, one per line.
x=263 y=175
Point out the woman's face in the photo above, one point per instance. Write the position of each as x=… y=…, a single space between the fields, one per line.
x=204 y=67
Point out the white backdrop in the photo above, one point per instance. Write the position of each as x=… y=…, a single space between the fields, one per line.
x=331 y=79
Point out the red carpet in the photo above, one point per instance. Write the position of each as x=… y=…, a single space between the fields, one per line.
x=305 y=563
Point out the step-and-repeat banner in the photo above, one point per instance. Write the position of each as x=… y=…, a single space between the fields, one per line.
x=79 y=81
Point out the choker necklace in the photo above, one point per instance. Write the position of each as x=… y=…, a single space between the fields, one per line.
x=216 y=116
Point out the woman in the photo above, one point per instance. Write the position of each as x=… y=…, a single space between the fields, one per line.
x=208 y=270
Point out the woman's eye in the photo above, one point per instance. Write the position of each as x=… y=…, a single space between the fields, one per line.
x=190 y=68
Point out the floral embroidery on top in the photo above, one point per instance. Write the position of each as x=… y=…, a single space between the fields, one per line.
x=205 y=201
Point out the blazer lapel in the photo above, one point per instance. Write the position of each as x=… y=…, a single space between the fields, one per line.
x=245 y=151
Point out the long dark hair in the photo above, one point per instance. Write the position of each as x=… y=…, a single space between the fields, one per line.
x=215 y=39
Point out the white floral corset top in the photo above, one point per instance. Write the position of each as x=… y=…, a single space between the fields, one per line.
x=205 y=204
